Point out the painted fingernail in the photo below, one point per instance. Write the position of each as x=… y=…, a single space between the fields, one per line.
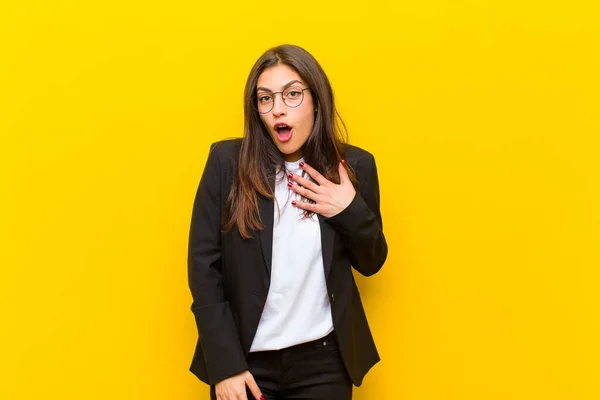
x=294 y=203
x=290 y=175
x=344 y=161
x=290 y=184
x=262 y=398
x=301 y=164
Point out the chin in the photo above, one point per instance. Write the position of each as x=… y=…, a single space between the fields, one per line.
x=285 y=148
x=288 y=151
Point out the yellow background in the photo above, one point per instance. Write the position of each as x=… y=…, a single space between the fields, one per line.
x=483 y=117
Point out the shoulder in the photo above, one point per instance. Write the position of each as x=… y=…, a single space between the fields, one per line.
x=358 y=157
x=225 y=152
x=222 y=161
x=362 y=162
x=225 y=147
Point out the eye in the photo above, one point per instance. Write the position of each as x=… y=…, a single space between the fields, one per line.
x=264 y=99
x=293 y=93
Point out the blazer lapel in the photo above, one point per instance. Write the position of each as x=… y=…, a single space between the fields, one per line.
x=266 y=209
x=327 y=237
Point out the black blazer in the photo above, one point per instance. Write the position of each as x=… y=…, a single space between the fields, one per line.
x=229 y=276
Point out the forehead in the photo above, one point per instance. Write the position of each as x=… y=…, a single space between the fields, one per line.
x=276 y=77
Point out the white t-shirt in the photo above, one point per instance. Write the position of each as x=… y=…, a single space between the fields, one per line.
x=297 y=309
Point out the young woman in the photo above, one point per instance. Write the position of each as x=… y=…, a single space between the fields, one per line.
x=279 y=219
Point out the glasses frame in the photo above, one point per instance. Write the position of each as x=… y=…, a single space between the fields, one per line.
x=255 y=99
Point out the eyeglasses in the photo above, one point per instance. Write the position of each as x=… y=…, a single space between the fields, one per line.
x=292 y=97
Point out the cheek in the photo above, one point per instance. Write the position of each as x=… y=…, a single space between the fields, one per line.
x=266 y=123
x=308 y=119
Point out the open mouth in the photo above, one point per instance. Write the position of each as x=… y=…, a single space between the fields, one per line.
x=284 y=132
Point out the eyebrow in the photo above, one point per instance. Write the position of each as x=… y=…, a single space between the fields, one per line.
x=285 y=87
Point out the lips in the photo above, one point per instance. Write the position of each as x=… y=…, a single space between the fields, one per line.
x=284 y=132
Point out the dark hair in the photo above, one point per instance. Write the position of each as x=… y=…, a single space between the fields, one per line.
x=259 y=156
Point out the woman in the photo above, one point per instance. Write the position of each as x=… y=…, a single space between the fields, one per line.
x=279 y=218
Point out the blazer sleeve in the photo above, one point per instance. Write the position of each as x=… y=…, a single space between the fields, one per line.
x=217 y=333
x=360 y=224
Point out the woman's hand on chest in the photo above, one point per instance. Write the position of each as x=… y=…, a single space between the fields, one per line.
x=330 y=198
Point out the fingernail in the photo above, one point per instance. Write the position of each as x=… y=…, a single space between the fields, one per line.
x=290 y=184
x=290 y=175
x=301 y=164
x=294 y=203
x=262 y=398
x=344 y=161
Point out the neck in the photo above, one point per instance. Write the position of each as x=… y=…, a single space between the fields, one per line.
x=293 y=156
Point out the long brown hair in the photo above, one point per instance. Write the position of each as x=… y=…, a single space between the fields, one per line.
x=259 y=156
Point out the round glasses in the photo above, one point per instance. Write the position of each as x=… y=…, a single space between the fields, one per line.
x=292 y=97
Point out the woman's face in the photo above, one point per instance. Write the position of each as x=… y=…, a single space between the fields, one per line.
x=289 y=127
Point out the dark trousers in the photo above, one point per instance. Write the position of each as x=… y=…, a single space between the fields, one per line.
x=307 y=371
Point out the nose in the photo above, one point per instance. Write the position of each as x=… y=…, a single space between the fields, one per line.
x=279 y=107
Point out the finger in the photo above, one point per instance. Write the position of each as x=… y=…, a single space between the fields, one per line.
x=343 y=173
x=314 y=174
x=306 y=206
x=254 y=389
x=304 y=182
x=309 y=194
x=219 y=393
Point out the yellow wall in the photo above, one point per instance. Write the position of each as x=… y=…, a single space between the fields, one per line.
x=482 y=115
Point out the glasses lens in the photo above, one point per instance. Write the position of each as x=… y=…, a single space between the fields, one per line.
x=293 y=96
x=263 y=102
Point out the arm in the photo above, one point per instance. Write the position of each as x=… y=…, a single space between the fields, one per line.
x=360 y=224
x=217 y=333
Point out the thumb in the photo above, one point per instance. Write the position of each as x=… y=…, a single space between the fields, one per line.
x=343 y=173
x=251 y=383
